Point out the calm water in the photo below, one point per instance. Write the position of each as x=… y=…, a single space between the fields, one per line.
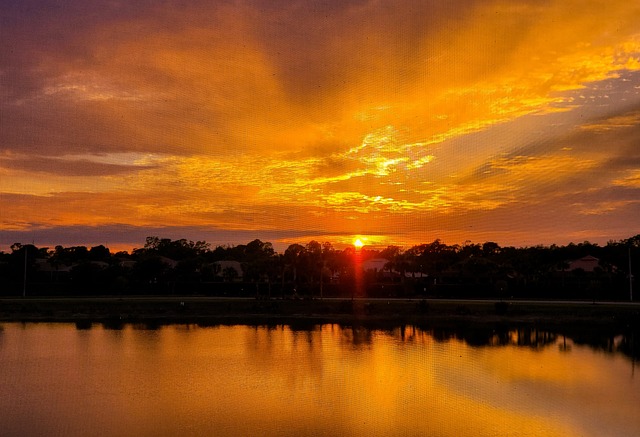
x=332 y=381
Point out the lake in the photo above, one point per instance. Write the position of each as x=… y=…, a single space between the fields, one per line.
x=328 y=380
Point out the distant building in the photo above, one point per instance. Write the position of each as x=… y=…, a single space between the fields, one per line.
x=587 y=263
x=374 y=264
x=127 y=263
x=171 y=263
x=225 y=265
x=45 y=266
x=379 y=266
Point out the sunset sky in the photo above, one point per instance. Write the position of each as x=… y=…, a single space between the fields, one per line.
x=397 y=122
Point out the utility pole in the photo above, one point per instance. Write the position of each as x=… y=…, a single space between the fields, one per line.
x=630 y=278
x=24 y=279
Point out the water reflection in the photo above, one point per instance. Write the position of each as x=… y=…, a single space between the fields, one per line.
x=626 y=343
x=315 y=380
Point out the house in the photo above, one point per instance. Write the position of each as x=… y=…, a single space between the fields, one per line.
x=379 y=267
x=225 y=267
x=44 y=265
x=126 y=263
x=171 y=263
x=587 y=263
x=374 y=264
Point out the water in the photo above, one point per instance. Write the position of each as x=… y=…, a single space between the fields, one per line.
x=56 y=379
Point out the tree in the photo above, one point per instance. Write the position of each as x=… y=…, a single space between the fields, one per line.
x=99 y=253
x=174 y=249
x=327 y=267
x=313 y=255
x=150 y=272
x=490 y=248
x=229 y=274
x=292 y=260
x=259 y=258
x=438 y=257
x=393 y=255
x=22 y=264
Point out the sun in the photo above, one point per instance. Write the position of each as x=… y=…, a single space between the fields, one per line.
x=358 y=243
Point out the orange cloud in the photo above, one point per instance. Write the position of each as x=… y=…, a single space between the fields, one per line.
x=355 y=114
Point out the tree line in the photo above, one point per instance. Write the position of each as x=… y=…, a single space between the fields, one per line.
x=312 y=270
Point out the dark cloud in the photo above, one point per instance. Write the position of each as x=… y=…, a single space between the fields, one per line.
x=609 y=139
x=70 y=83
x=70 y=167
x=320 y=48
x=125 y=235
x=335 y=166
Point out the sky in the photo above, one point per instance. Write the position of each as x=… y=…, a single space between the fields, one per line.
x=396 y=122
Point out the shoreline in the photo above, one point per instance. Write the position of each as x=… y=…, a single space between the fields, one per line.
x=160 y=310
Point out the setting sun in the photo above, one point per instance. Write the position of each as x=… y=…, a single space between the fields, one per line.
x=358 y=243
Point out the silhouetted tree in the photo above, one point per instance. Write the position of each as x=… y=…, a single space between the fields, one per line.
x=293 y=258
x=99 y=253
x=258 y=265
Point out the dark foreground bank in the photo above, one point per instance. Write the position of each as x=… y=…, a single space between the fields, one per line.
x=167 y=310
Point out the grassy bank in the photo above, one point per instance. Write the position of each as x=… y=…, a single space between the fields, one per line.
x=164 y=310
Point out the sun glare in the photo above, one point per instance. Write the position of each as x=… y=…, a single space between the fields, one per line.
x=358 y=243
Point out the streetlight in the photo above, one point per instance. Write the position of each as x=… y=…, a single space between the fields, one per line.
x=24 y=279
x=630 y=278
x=358 y=244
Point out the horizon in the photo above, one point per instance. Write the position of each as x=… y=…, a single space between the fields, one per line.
x=395 y=123
x=45 y=238
x=358 y=244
